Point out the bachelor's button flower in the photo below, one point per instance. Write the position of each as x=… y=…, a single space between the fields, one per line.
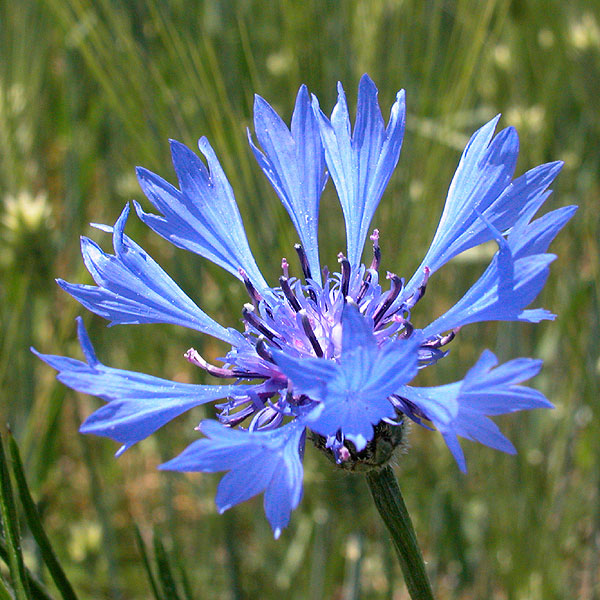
x=325 y=355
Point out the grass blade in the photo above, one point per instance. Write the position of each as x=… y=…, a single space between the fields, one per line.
x=185 y=582
x=11 y=531
x=140 y=542
x=37 y=590
x=165 y=574
x=4 y=593
x=35 y=525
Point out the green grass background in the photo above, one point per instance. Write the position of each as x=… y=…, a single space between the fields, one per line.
x=89 y=89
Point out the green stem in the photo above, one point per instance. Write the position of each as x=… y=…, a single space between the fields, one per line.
x=388 y=500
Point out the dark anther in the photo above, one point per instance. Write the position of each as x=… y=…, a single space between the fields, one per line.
x=374 y=266
x=408 y=328
x=421 y=289
x=306 y=270
x=364 y=286
x=254 y=295
x=289 y=294
x=303 y=261
x=442 y=340
x=268 y=310
x=345 y=264
x=406 y=406
x=263 y=351
x=252 y=319
x=397 y=285
x=310 y=334
x=376 y=250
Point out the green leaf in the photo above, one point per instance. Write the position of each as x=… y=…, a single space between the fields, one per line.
x=4 y=592
x=165 y=574
x=37 y=590
x=146 y=561
x=185 y=582
x=35 y=525
x=11 y=531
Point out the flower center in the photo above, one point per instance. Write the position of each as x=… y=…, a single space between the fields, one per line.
x=303 y=319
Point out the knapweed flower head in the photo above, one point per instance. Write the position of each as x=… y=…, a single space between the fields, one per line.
x=325 y=355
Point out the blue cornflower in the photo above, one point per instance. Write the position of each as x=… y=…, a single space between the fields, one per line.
x=326 y=354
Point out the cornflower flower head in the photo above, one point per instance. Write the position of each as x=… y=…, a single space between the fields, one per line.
x=326 y=354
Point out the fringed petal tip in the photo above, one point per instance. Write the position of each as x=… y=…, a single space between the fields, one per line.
x=132 y=288
x=483 y=199
x=256 y=462
x=360 y=162
x=292 y=160
x=202 y=216
x=136 y=404
x=463 y=408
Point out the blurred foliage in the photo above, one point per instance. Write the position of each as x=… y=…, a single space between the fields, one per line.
x=90 y=89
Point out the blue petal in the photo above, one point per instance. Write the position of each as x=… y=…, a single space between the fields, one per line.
x=501 y=294
x=132 y=288
x=294 y=164
x=482 y=183
x=138 y=404
x=203 y=217
x=269 y=461
x=534 y=238
x=361 y=165
x=513 y=279
x=462 y=408
x=353 y=395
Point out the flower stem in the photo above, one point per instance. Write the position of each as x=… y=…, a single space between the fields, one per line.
x=390 y=504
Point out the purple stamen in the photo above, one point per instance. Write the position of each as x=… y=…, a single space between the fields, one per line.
x=442 y=340
x=254 y=320
x=345 y=283
x=376 y=250
x=420 y=290
x=194 y=357
x=263 y=351
x=310 y=334
x=268 y=310
x=364 y=286
x=408 y=327
x=306 y=270
x=289 y=294
x=374 y=266
x=303 y=261
x=252 y=292
x=409 y=408
x=397 y=285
